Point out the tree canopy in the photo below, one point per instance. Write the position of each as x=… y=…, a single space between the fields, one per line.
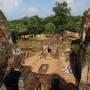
x=59 y=22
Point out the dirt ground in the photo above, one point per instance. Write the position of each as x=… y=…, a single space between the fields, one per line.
x=55 y=66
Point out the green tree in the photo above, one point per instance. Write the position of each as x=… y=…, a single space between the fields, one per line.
x=62 y=11
x=50 y=28
x=49 y=19
x=35 y=25
x=74 y=23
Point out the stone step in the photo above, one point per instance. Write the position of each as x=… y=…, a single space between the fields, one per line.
x=21 y=84
x=84 y=74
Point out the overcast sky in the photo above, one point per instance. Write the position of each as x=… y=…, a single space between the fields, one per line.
x=15 y=9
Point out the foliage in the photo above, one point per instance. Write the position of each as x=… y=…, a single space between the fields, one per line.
x=74 y=23
x=57 y=23
x=62 y=11
x=35 y=25
x=50 y=28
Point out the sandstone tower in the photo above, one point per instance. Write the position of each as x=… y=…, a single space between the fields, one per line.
x=5 y=45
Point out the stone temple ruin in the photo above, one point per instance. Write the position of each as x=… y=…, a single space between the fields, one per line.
x=57 y=66
x=5 y=45
x=63 y=67
x=7 y=50
x=85 y=35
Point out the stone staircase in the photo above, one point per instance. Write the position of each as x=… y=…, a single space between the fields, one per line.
x=21 y=84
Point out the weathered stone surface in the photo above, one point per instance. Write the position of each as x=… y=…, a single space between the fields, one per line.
x=5 y=45
x=85 y=78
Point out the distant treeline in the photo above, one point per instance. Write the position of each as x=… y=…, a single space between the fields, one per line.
x=59 y=22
